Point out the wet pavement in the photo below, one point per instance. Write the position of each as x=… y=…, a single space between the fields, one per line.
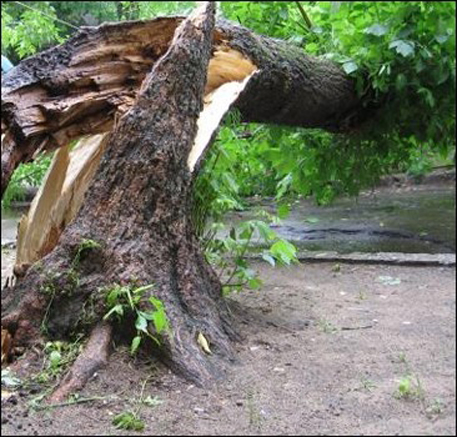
x=411 y=221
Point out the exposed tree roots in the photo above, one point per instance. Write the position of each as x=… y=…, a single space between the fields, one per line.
x=94 y=357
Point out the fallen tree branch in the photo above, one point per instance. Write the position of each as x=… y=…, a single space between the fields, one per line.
x=83 y=86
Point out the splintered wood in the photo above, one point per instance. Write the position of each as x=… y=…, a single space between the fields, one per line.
x=228 y=74
x=58 y=200
x=62 y=192
x=216 y=106
x=227 y=65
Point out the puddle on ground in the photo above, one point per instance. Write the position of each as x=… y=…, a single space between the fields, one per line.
x=410 y=222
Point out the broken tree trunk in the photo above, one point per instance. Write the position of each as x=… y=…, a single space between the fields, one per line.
x=84 y=85
x=136 y=212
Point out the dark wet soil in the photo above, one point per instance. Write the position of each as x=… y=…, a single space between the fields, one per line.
x=325 y=349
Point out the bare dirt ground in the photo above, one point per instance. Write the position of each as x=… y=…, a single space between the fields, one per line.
x=326 y=349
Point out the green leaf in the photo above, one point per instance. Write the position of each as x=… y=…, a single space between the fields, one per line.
x=158 y=304
x=117 y=309
x=113 y=296
x=404 y=387
x=141 y=323
x=428 y=96
x=350 y=67
x=135 y=344
x=284 y=251
x=283 y=211
x=376 y=30
x=442 y=38
x=400 y=82
x=246 y=233
x=141 y=290
x=160 y=321
x=255 y=283
x=147 y=315
x=268 y=258
x=55 y=359
x=265 y=232
x=129 y=421
x=404 y=48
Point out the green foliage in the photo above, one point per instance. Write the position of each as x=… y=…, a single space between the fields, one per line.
x=30 y=174
x=26 y=31
x=84 y=246
x=228 y=254
x=283 y=251
x=234 y=170
x=402 y=57
x=32 y=26
x=275 y=18
x=128 y=420
x=125 y=300
x=58 y=356
x=327 y=327
x=409 y=389
x=131 y=420
x=406 y=52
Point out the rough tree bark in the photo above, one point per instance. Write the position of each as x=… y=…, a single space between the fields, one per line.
x=138 y=205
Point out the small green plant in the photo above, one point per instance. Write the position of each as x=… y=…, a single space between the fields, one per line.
x=58 y=356
x=409 y=389
x=367 y=384
x=435 y=408
x=327 y=327
x=228 y=254
x=131 y=420
x=124 y=300
x=128 y=420
x=229 y=175
x=404 y=389
x=84 y=246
